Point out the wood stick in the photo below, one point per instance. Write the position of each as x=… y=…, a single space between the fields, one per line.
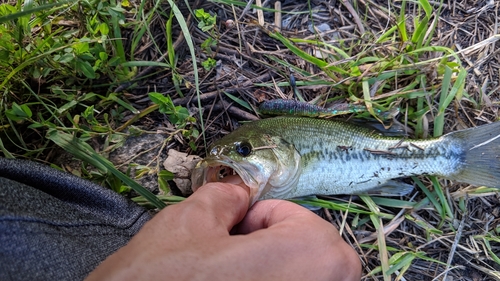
x=277 y=15
x=260 y=13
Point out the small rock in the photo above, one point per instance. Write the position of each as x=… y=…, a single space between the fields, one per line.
x=142 y=146
x=140 y=150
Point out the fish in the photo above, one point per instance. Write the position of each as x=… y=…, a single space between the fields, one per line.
x=288 y=157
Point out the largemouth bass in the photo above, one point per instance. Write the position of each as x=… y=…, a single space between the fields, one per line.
x=287 y=157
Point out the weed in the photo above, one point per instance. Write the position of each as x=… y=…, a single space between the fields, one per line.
x=52 y=57
x=60 y=61
x=178 y=116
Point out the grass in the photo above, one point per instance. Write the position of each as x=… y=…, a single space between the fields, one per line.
x=77 y=73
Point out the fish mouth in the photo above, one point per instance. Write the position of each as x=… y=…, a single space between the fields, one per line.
x=214 y=170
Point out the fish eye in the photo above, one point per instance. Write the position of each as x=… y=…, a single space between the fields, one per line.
x=243 y=148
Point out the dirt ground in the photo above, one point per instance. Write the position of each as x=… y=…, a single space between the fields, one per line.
x=245 y=67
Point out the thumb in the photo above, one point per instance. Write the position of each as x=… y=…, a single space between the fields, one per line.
x=217 y=205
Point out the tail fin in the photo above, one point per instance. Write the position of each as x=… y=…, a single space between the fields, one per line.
x=481 y=163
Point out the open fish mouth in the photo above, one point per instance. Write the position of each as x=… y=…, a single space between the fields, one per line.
x=215 y=170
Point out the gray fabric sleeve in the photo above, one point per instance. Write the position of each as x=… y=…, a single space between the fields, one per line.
x=56 y=226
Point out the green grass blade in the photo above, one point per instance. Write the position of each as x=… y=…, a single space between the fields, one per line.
x=114 y=97
x=429 y=229
x=140 y=28
x=429 y=195
x=31 y=11
x=448 y=51
x=6 y=153
x=28 y=62
x=290 y=66
x=387 y=34
x=167 y=199
x=447 y=96
x=239 y=101
x=439 y=119
x=438 y=189
x=400 y=260
x=86 y=153
x=117 y=42
x=393 y=203
x=368 y=99
x=307 y=57
x=189 y=40
x=75 y=147
x=402 y=22
x=374 y=207
x=419 y=33
x=341 y=52
x=146 y=63
x=134 y=185
x=486 y=239
x=170 y=45
x=382 y=246
x=423 y=256
x=332 y=205
x=427 y=7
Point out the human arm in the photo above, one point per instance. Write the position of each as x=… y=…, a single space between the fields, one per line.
x=274 y=240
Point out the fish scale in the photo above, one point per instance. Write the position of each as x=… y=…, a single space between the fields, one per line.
x=339 y=158
x=286 y=157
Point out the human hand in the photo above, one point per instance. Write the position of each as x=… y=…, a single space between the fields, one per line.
x=276 y=240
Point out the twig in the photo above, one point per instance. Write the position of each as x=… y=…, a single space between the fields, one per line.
x=211 y=95
x=351 y=10
x=238 y=113
x=277 y=15
x=456 y=241
x=260 y=14
x=379 y=152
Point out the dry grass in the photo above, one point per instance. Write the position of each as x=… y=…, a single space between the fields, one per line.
x=459 y=241
x=254 y=67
